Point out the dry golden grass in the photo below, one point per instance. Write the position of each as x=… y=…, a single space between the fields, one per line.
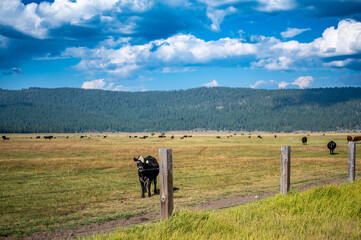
x=47 y=184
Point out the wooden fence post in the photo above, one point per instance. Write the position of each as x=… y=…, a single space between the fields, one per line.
x=351 y=161
x=166 y=182
x=285 y=169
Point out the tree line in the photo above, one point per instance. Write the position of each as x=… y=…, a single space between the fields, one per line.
x=68 y=110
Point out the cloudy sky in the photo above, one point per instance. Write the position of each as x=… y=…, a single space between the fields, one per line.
x=143 y=45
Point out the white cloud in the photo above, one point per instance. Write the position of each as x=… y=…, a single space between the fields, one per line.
x=291 y=32
x=258 y=83
x=292 y=55
x=36 y=19
x=120 y=59
x=280 y=63
x=217 y=16
x=167 y=54
x=213 y=83
x=303 y=81
x=283 y=84
x=259 y=5
x=104 y=85
x=186 y=48
x=95 y=84
x=276 y=5
x=344 y=40
x=263 y=84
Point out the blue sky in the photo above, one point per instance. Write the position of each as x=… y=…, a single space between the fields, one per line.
x=144 y=45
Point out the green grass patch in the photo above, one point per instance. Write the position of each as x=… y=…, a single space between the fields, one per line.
x=329 y=212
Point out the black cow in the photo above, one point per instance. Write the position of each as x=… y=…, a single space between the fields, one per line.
x=5 y=138
x=304 y=141
x=48 y=137
x=331 y=145
x=148 y=170
x=37 y=137
x=259 y=136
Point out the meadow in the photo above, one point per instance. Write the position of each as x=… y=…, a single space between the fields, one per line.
x=64 y=182
x=327 y=212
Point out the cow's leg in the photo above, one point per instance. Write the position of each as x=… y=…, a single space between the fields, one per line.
x=142 y=185
x=149 y=185
x=155 y=186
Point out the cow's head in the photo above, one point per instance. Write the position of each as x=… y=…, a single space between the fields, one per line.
x=141 y=162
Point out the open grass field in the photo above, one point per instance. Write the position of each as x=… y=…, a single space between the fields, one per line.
x=57 y=183
x=328 y=212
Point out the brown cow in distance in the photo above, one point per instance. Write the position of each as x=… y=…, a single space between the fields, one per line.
x=349 y=138
x=357 y=138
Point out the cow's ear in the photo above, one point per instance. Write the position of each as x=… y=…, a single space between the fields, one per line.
x=135 y=159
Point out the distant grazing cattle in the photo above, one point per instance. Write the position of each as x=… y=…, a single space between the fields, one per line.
x=259 y=136
x=349 y=138
x=161 y=136
x=148 y=170
x=105 y=137
x=172 y=137
x=67 y=137
x=37 y=137
x=185 y=136
x=48 y=137
x=304 y=141
x=5 y=138
x=144 y=137
x=331 y=145
x=358 y=138
x=130 y=136
x=218 y=137
x=249 y=136
x=275 y=136
x=182 y=138
x=189 y=135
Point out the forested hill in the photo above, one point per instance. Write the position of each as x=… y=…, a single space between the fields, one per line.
x=219 y=108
